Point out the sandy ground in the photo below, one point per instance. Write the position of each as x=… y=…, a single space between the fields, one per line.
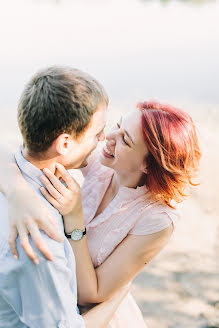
x=180 y=287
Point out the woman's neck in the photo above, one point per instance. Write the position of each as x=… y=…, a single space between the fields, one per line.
x=131 y=181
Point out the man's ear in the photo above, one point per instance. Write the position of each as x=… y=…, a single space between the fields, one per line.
x=63 y=143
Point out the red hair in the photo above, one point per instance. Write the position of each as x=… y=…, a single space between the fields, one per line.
x=174 y=152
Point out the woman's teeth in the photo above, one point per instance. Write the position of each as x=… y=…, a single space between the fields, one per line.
x=108 y=152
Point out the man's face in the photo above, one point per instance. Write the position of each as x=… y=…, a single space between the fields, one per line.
x=83 y=146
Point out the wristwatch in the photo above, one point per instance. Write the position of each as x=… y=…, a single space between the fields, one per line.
x=76 y=234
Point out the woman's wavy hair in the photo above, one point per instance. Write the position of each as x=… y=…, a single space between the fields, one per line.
x=174 y=153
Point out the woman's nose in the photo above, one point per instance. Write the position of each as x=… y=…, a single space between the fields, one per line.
x=110 y=137
x=112 y=142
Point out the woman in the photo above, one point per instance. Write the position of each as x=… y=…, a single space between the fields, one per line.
x=129 y=202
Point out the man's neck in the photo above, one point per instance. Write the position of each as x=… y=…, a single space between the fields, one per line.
x=40 y=163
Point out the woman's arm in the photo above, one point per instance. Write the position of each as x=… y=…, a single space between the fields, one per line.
x=25 y=208
x=100 y=315
x=129 y=258
x=9 y=172
x=126 y=261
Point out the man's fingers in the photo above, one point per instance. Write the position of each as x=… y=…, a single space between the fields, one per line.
x=39 y=241
x=24 y=240
x=12 y=241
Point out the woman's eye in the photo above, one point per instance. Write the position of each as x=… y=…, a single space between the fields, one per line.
x=123 y=139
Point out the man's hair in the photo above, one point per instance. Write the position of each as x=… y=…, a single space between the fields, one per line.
x=57 y=100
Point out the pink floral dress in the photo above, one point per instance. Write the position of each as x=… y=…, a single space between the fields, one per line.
x=132 y=211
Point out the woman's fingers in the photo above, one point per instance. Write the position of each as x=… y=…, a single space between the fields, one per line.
x=50 y=199
x=51 y=220
x=38 y=240
x=32 y=228
x=52 y=231
x=55 y=182
x=12 y=241
x=51 y=189
x=66 y=176
x=24 y=240
x=65 y=199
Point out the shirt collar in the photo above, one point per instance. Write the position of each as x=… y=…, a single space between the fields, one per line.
x=28 y=168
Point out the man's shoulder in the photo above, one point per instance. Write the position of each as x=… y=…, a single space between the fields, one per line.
x=57 y=249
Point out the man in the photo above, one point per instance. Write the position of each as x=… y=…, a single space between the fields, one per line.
x=61 y=116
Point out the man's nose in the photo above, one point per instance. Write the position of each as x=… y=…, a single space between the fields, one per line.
x=101 y=137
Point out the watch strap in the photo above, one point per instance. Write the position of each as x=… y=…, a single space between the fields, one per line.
x=67 y=235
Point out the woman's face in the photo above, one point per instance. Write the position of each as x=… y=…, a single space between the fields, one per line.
x=125 y=149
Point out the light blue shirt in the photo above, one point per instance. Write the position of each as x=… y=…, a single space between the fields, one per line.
x=36 y=296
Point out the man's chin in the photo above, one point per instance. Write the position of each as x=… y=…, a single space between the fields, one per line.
x=84 y=164
x=73 y=166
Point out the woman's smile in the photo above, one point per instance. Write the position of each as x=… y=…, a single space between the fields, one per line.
x=107 y=153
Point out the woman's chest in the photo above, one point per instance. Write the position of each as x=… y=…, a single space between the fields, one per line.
x=106 y=199
x=103 y=237
x=107 y=230
x=108 y=219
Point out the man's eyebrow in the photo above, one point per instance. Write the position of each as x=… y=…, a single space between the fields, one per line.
x=126 y=132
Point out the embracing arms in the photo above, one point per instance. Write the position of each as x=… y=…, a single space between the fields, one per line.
x=101 y=314
x=130 y=256
x=94 y=285
x=126 y=261
x=18 y=192
x=9 y=172
x=52 y=276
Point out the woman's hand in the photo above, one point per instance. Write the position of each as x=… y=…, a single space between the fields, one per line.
x=67 y=199
x=27 y=214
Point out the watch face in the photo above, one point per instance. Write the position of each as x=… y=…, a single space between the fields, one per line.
x=77 y=234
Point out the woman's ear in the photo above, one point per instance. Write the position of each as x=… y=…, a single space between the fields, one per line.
x=62 y=143
x=143 y=168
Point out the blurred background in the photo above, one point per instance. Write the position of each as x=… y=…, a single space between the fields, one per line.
x=139 y=49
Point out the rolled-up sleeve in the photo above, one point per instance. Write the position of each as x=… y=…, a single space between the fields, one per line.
x=42 y=295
